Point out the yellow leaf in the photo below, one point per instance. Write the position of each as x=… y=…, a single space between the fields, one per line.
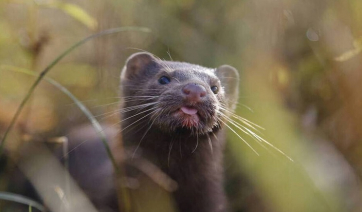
x=351 y=53
x=348 y=55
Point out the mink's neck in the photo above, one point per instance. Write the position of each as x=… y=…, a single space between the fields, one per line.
x=191 y=162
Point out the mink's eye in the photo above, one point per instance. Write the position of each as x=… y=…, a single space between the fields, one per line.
x=215 y=89
x=164 y=80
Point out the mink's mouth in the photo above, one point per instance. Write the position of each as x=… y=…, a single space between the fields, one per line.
x=188 y=110
x=184 y=117
x=188 y=116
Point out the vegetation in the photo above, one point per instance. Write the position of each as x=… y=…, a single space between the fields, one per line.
x=299 y=65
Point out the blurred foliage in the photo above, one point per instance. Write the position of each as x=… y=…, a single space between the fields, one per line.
x=74 y=11
x=300 y=67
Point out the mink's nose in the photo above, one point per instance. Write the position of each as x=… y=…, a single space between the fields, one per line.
x=194 y=92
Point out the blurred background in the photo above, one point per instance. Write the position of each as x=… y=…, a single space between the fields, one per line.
x=300 y=72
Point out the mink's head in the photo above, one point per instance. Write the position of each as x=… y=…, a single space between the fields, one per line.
x=176 y=96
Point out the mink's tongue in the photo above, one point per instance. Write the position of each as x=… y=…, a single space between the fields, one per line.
x=189 y=110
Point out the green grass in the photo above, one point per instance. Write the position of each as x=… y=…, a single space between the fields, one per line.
x=119 y=173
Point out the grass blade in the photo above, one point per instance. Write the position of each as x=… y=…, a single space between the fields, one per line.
x=21 y=199
x=53 y=63
x=81 y=106
x=84 y=109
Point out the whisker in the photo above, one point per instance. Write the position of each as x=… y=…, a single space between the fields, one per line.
x=251 y=134
x=241 y=118
x=131 y=99
x=136 y=88
x=256 y=137
x=239 y=137
x=215 y=136
x=176 y=79
x=139 y=143
x=169 y=153
x=272 y=146
x=137 y=115
x=159 y=112
x=180 y=148
x=108 y=104
x=116 y=124
x=138 y=97
x=127 y=109
x=246 y=123
x=245 y=106
x=135 y=128
x=92 y=100
x=130 y=108
x=197 y=143
x=169 y=54
x=210 y=143
x=81 y=143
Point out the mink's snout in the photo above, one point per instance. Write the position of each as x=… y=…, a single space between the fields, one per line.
x=194 y=92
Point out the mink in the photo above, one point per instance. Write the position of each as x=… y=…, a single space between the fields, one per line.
x=173 y=115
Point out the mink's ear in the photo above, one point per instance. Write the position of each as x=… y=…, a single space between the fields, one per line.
x=229 y=78
x=136 y=63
